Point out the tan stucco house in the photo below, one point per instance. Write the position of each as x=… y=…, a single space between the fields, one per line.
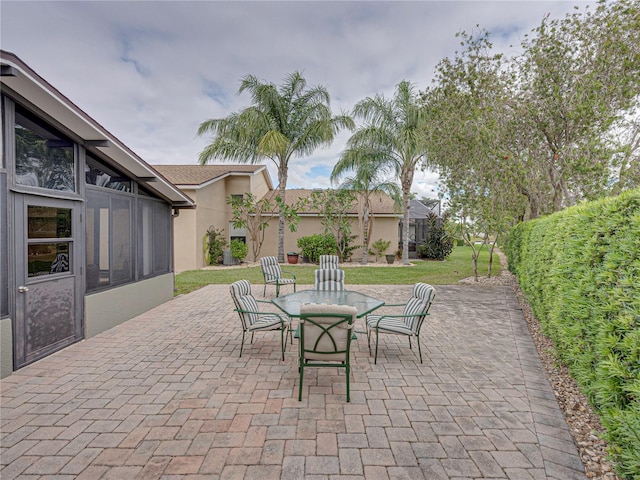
x=210 y=185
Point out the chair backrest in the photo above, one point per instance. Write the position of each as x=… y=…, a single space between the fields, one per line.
x=270 y=268
x=325 y=331
x=329 y=261
x=418 y=305
x=244 y=301
x=329 y=280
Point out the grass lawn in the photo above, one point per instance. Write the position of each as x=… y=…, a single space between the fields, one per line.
x=456 y=267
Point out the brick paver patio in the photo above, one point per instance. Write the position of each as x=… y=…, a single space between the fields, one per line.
x=166 y=396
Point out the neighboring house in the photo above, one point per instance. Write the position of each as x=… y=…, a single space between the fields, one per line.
x=210 y=186
x=85 y=224
x=385 y=220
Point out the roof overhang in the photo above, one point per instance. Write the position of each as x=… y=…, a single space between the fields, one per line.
x=18 y=80
x=263 y=170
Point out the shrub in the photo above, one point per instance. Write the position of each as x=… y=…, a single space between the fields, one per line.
x=380 y=247
x=580 y=270
x=346 y=247
x=239 y=249
x=312 y=246
x=438 y=244
x=213 y=244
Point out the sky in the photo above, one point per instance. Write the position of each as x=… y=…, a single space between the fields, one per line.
x=151 y=71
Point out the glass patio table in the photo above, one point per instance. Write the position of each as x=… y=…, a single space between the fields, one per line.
x=290 y=304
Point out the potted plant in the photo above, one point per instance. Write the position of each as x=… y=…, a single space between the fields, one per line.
x=292 y=257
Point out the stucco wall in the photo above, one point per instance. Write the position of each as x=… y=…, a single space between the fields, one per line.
x=104 y=310
x=6 y=348
x=212 y=210
x=185 y=246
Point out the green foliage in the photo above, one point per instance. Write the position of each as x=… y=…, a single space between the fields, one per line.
x=334 y=207
x=580 y=269
x=313 y=246
x=379 y=247
x=393 y=138
x=438 y=244
x=239 y=249
x=213 y=243
x=282 y=123
x=346 y=247
x=255 y=215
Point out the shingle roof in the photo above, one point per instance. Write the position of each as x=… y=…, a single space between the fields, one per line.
x=381 y=203
x=199 y=174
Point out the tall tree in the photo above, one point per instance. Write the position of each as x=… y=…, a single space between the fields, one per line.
x=368 y=178
x=468 y=107
x=282 y=123
x=394 y=135
x=579 y=78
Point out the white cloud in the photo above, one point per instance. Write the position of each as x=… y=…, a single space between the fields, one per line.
x=151 y=72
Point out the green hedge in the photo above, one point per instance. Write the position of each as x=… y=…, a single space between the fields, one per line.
x=580 y=270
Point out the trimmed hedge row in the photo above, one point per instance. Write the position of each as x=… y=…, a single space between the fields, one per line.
x=580 y=270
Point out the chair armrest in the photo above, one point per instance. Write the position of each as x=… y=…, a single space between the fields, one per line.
x=279 y=315
x=289 y=273
x=401 y=316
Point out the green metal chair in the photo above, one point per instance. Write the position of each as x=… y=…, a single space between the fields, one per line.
x=274 y=275
x=254 y=320
x=325 y=338
x=408 y=323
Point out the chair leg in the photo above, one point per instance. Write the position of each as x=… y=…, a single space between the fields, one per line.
x=375 y=360
x=348 y=375
x=283 y=343
x=301 y=368
x=419 y=349
x=264 y=290
x=242 y=343
x=277 y=289
x=410 y=347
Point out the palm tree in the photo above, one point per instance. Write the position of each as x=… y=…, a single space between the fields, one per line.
x=282 y=123
x=394 y=135
x=367 y=179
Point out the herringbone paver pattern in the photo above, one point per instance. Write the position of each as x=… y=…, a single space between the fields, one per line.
x=166 y=396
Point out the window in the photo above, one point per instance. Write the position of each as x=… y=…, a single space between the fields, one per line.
x=109 y=248
x=98 y=174
x=44 y=158
x=154 y=242
x=49 y=240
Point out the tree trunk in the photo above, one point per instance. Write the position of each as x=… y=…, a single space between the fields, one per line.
x=365 y=234
x=282 y=180
x=406 y=196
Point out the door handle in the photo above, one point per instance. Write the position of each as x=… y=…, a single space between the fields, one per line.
x=23 y=289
